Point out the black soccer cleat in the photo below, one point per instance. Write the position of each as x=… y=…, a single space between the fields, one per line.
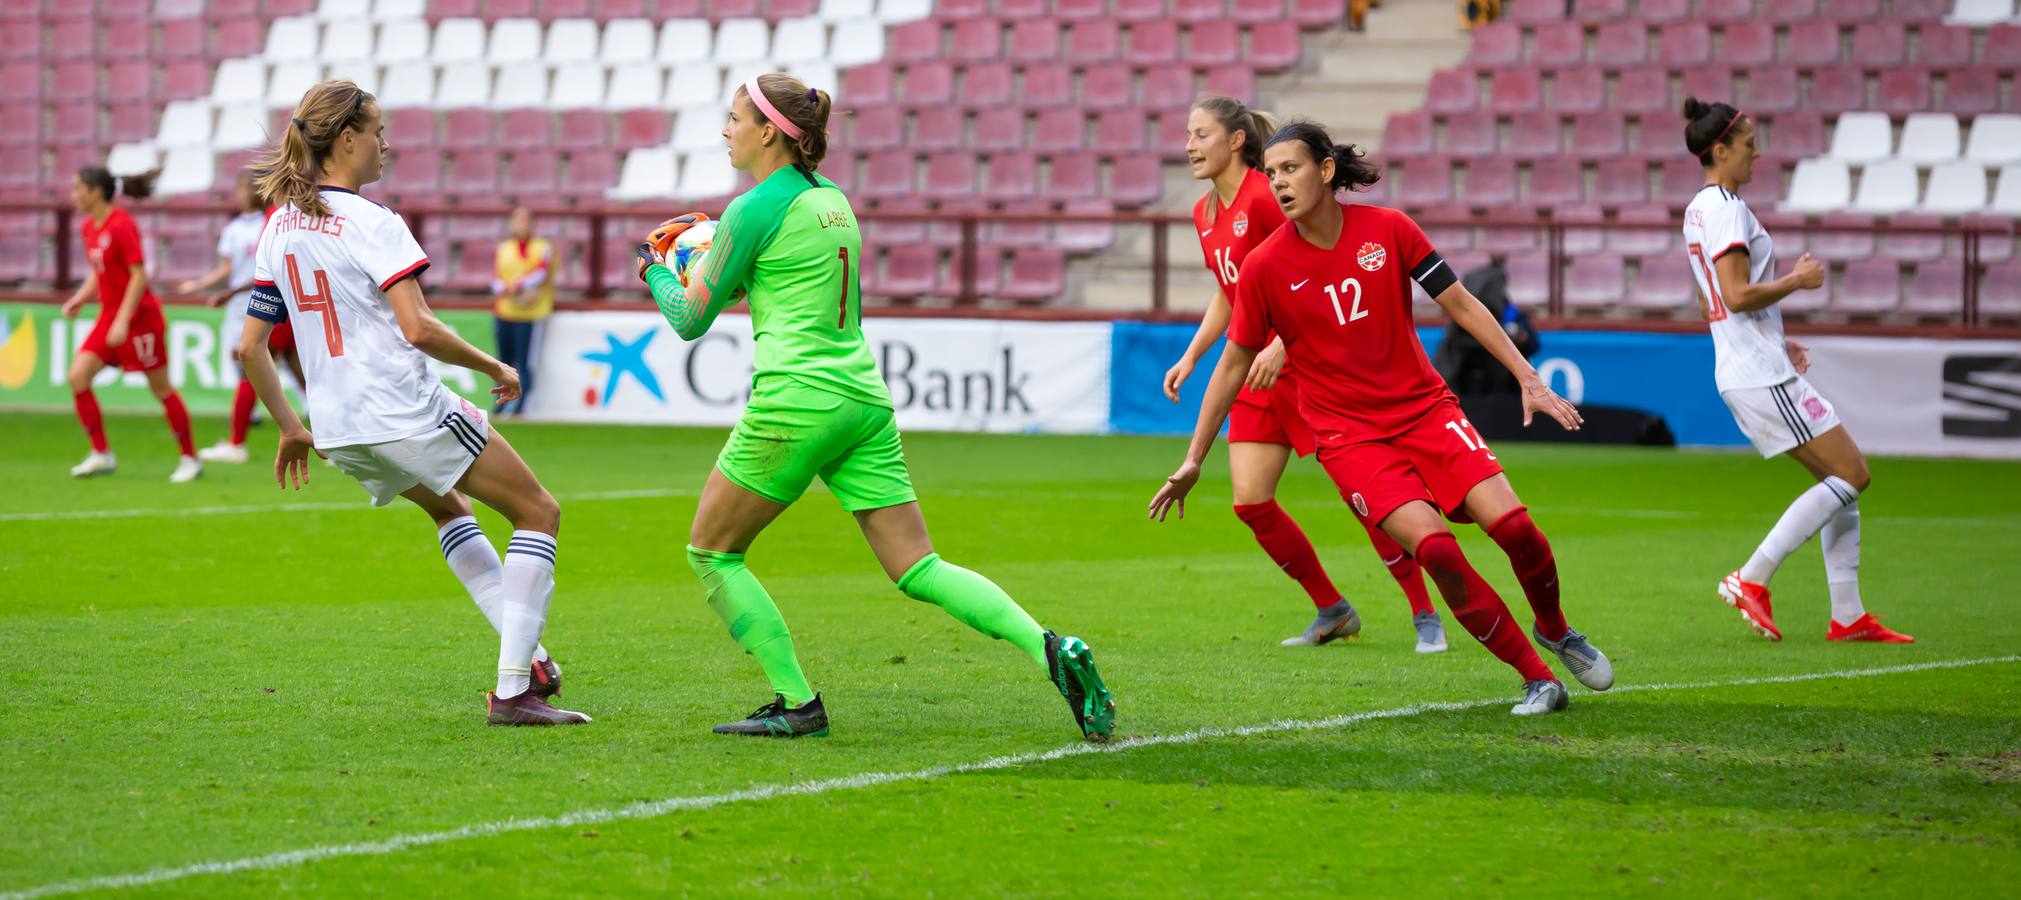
x=774 y=719
x=1071 y=665
x=546 y=681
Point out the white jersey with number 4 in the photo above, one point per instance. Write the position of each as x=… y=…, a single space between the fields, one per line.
x=1748 y=345
x=329 y=276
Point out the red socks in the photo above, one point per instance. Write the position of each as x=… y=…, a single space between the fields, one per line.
x=1403 y=567
x=1530 y=555
x=242 y=412
x=1290 y=549
x=1480 y=610
x=92 y=420
x=178 y=422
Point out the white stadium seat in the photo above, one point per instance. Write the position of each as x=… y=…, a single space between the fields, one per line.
x=742 y=41
x=290 y=80
x=648 y=172
x=800 y=40
x=132 y=159
x=817 y=75
x=176 y=9
x=857 y=42
x=685 y=41
x=578 y=86
x=707 y=174
x=734 y=78
x=293 y=37
x=1819 y=185
x=1981 y=12
x=332 y=10
x=698 y=129
x=241 y=128
x=1956 y=188
x=464 y=84
x=571 y=40
x=185 y=123
x=187 y=170
x=364 y=75
x=458 y=40
x=695 y=85
x=627 y=41
x=1887 y=187
x=1863 y=137
x=844 y=10
x=896 y=11
x=638 y=85
x=407 y=84
x=403 y=41
x=2007 y=196
x=1996 y=140
x=514 y=40
x=1929 y=138
x=519 y=86
x=396 y=10
x=347 y=41
x=240 y=81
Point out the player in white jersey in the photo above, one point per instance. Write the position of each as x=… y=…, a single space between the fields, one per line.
x=234 y=274
x=344 y=269
x=1760 y=375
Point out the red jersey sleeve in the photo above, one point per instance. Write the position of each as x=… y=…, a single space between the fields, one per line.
x=1410 y=240
x=1249 y=323
x=125 y=244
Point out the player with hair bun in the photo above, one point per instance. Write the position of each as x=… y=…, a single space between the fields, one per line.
x=818 y=407
x=349 y=269
x=131 y=330
x=1224 y=143
x=1759 y=373
x=1335 y=287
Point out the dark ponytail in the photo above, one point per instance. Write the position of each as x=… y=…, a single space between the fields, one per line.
x=139 y=187
x=1351 y=169
x=1707 y=125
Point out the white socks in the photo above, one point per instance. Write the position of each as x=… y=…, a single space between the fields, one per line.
x=475 y=563
x=1841 y=540
x=527 y=584
x=1811 y=510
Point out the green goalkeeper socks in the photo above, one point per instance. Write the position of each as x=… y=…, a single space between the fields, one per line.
x=976 y=601
x=753 y=619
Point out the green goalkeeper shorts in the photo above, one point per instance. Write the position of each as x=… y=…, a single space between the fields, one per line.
x=791 y=432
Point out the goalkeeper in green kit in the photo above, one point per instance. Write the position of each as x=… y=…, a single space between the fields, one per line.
x=818 y=407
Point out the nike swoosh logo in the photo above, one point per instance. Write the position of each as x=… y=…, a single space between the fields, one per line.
x=1301 y=284
x=1208 y=233
x=1483 y=638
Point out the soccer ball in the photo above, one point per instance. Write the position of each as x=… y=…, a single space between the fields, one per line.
x=689 y=247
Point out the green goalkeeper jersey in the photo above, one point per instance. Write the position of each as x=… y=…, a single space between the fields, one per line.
x=792 y=246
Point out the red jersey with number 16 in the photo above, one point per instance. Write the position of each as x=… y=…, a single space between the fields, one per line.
x=1344 y=314
x=1229 y=233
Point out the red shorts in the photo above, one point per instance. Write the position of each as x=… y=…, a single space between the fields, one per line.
x=146 y=347
x=281 y=338
x=1271 y=417
x=1438 y=460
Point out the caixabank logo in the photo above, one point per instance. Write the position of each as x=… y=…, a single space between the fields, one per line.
x=1982 y=396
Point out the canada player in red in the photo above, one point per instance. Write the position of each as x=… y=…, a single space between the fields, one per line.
x=1336 y=288
x=1224 y=143
x=130 y=330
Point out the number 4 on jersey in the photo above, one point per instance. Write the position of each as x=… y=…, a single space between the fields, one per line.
x=319 y=303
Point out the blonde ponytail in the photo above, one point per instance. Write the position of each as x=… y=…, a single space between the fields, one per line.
x=292 y=172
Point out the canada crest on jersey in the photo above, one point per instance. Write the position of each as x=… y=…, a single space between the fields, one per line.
x=1241 y=224
x=1371 y=256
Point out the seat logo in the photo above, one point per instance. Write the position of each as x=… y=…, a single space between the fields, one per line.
x=1982 y=396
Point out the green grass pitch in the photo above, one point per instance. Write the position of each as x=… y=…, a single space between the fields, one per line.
x=215 y=672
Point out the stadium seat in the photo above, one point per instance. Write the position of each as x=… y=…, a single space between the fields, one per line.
x=1556 y=182
x=1020 y=9
x=186 y=170
x=1621 y=182
x=1664 y=282
x=577 y=86
x=1880 y=44
x=1643 y=90
x=1073 y=177
x=1516 y=90
x=1644 y=231
x=636 y=85
x=1558 y=44
x=185 y=123
x=1972 y=91
x=800 y=41
x=1795 y=136
x=862 y=86
x=1469 y=134
x=1836 y=239
x=524 y=129
x=1032 y=41
x=469 y=129
x=974 y=40
x=514 y=41
x=1682 y=44
x=1813 y=43
x=1838 y=89
x=1108 y=87
x=695 y=86
x=1996 y=140
x=1496 y=45
x=571 y=41
x=1596 y=280
x=1083 y=237
x=706 y=175
x=627 y=41
x=2007 y=192
x=1747 y=44
x=1094 y=42
x=240 y=81
x=1621 y=44
x=1081 y=10
x=1060 y=131
x=456 y=41
x=412 y=84
x=1956 y=188
x=1708 y=82
x=1868 y=286
x=520 y=85
x=1578 y=91
x=590 y=174
x=1981 y=12
x=1452 y=90
x=648 y=172
x=347 y=41
x=1424 y=182
x=2000 y=292
x=1820 y=185
x=1273 y=46
x=1012 y=176
x=1594 y=136
x=937 y=128
x=1407 y=134
x=696 y=129
x=1038 y=274
x=1536 y=135
x=1170 y=88
x=1491 y=184
x=1769 y=91
x=1863 y=137
x=685 y=41
x=1047 y=85
x=1906 y=246
x=1942 y=46
x=1231 y=81
x=240 y=128
x=1929 y=138
x=929 y=84
x=1903 y=91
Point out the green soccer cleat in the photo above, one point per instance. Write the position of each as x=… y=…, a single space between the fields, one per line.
x=774 y=719
x=1072 y=667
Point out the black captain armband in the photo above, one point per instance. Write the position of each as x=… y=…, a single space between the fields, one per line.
x=1434 y=275
x=266 y=304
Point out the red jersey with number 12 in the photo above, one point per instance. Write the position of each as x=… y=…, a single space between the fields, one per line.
x=1344 y=313
x=1228 y=234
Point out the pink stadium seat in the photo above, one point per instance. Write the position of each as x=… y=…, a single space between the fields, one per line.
x=1449 y=239
x=1632 y=238
x=1169 y=87
x=910 y=270
x=1681 y=44
x=1197 y=10
x=1425 y=182
x=524 y=9
x=1469 y=134
x=1491 y=184
x=877 y=128
x=888 y=174
x=1643 y=90
x=1789 y=10
x=1534 y=135
x=75 y=81
x=1120 y=131
x=1496 y=44
x=1770 y=91
x=781 y=10
x=1547 y=11
x=1903 y=91
x=1812 y=43
x=975 y=40
x=950 y=175
x=2003 y=47
x=1578 y=90
x=1273 y=46
x=1085 y=236
x=471 y=173
x=181 y=39
x=1012 y=176
x=1452 y=90
x=528 y=129
x=21 y=42
x=1599 y=135
x=929 y=83
x=1073 y=176
x=1747 y=44
x=1060 y=131
x=437 y=9
x=1038 y=274
x=533 y=178
x=870 y=85
x=937 y=128
x=1313 y=13
x=1619 y=44
x=1138 y=10
x=607 y=10
x=1795 y=136
x=1529 y=279
x=1943 y=46
x=2000 y=293
x=76 y=122
x=1621 y=182
x=1709 y=82
x=184 y=79
x=587 y=129
x=1516 y=90
x=1259 y=11
x=26 y=128
x=236 y=37
x=1663 y=10
x=1838 y=89
x=988 y=276
x=1599 y=10
x=1936 y=290
x=1048 y=85
x=73 y=40
x=1868 y=286
x=126 y=122
x=550 y=10
x=1151 y=43
x=1595 y=280
x=999 y=129
x=1232 y=81
x=1133 y=183
x=639 y=128
x=1880 y=44
x=1168 y=134
x=1919 y=9
x=1556 y=182
x=468 y=129
x=1407 y=134
x=1850 y=10
x=1034 y=40
x=1664 y=282
x=590 y=174
x=894 y=232
x=1020 y=9
x=961 y=9
x=129 y=80
x=1842 y=245
x=1972 y=91
x=1558 y=44
x=988 y=85
x=1080 y=10
x=920 y=41
x=126 y=38
x=1914 y=247
x=415 y=178
x=1681 y=177
x=1110 y=86
x=411 y=130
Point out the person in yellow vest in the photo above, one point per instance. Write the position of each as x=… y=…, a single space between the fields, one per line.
x=523 y=296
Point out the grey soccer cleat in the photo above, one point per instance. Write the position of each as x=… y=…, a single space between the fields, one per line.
x=776 y=719
x=1540 y=697
x=1431 y=632
x=1331 y=624
x=1581 y=658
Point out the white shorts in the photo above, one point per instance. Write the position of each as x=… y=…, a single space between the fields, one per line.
x=1781 y=417
x=435 y=459
x=232 y=331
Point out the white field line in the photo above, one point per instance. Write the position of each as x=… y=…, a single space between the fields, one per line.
x=657 y=808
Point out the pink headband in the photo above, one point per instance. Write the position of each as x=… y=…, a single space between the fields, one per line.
x=771 y=112
x=1708 y=147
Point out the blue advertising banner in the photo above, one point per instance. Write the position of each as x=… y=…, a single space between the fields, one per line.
x=1669 y=375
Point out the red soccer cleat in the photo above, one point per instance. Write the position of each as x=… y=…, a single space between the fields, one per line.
x=1752 y=601
x=1867 y=628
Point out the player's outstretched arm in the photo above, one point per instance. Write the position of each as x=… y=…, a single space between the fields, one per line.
x=291 y=462
x=421 y=328
x=1472 y=317
x=1221 y=391
x=1213 y=324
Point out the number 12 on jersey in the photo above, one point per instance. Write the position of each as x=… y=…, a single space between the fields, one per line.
x=1355 y=304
